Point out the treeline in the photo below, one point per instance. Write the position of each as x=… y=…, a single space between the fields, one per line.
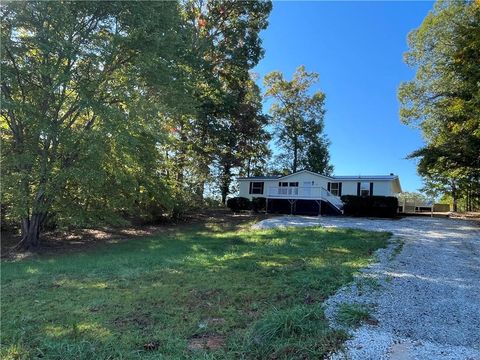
x=114 y=112
x=443 y=101
x=121 y=110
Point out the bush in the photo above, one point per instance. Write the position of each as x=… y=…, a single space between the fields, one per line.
x=239 y=203
x=213 y=203
x=377 y=206
x=259 y=204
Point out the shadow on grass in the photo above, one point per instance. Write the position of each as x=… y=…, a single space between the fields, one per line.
x=164 y=290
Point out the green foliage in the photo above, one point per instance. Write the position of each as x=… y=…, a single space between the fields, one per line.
x=239 y=203
x=377 y=206
x=230 y=129
x=106 y=303
x=443 y=99
x=123 y=111
x=353 y=314
x=242 y=139
x=298 y=332
x=259 y=204
x=298 y=119
x=416 y=197
x=80 y=138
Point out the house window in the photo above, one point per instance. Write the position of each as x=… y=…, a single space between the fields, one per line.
x=335 y=188
x=288 y=188
x=256 y=188
x=364 y=189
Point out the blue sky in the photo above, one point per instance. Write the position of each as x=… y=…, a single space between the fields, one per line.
x=357 y=48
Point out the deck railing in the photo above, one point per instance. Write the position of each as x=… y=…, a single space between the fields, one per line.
x=306 y=192
x=335 y=200
x=295 y=192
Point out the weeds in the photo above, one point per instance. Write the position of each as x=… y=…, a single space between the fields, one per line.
x=353 y=315
x=298 y=332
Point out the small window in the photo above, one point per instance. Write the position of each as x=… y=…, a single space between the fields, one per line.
x=364 y=189
x=335 y=188
x=283 y=184
x=256 y=188
x=293 y=184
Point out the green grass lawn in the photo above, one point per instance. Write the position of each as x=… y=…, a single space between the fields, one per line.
x=203 y=293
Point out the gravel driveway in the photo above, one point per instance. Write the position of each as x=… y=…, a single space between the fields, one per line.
x=428 y=300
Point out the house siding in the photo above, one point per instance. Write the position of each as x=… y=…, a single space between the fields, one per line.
x=243 y=189
x=319 y=181
x=349 y=187
x=380 y=187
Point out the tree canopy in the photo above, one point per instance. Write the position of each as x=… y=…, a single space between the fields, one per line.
x=443 y=100
x=298 y=117
x=119 y=110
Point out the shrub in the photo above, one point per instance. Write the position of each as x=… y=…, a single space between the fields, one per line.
x=377 y=206
x=259 y=204
x=213 y=203
x=239 y=203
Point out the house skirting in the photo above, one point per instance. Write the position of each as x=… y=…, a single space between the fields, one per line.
x=300 y=207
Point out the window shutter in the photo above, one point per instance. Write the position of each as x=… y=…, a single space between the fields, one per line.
x=328 y=186
x=339 y=189
x=250 y=191
x=371 y=189
x=358 y=189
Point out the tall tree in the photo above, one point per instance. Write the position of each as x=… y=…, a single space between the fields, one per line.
x=120 y=109
x=229 y=44
x=74 y=80
x=242 y=138
x=443 y=99
x=298 y=117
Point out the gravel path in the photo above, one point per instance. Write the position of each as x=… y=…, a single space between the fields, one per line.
x=425 y=292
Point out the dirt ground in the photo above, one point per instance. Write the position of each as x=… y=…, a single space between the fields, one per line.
x=472 y=215
x=57 y=242
x=80 y=239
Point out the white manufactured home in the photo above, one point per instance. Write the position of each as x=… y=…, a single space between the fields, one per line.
x=307 y=192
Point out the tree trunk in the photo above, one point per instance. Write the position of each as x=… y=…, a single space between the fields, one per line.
x=31 y=232
x=467 y=201
x=225 y=181
x=224 y=188
x=454 y=197
x=224 y=195
x=295 y=157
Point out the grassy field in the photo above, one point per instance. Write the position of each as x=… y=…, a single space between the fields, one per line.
x=202 y=293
